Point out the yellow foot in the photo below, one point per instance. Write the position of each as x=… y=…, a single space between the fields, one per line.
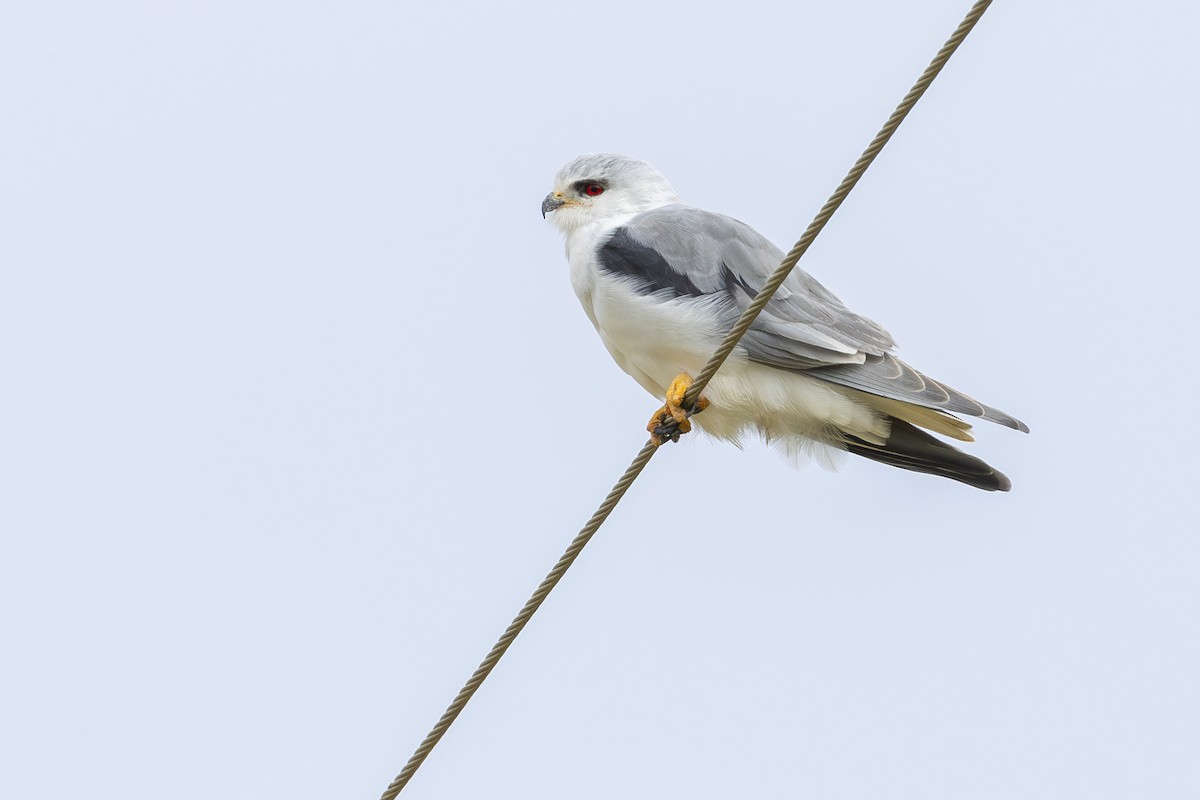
x=670 y=421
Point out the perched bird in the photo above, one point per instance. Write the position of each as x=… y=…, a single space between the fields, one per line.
x=663 y=282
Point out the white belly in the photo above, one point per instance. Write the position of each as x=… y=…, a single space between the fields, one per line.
x=653 y=341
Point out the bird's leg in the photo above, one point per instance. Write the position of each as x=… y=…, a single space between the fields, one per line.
x=670 y=421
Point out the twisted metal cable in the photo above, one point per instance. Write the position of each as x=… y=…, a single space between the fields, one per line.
x=518 y=624
x=832 y=204
x=718 y=358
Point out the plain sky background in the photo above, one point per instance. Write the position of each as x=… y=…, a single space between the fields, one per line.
x=297 y=406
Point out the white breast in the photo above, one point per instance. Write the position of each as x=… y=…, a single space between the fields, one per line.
x=651 y=339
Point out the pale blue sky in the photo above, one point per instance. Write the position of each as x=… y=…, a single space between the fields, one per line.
x=297 y=406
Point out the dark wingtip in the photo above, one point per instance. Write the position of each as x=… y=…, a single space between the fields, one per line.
x=910 y=448
x=1003 y=484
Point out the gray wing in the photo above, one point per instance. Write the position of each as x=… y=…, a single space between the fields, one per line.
x=888 y=376
x=680 y=251
x=683 y=251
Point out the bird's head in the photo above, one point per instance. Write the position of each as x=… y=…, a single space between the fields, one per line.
x=597 y=186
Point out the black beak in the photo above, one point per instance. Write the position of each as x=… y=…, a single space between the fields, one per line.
x=549 y=204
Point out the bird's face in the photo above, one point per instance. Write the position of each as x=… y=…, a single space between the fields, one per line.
x=593 y=188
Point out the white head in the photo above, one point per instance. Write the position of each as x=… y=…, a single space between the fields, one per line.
x=596 y=186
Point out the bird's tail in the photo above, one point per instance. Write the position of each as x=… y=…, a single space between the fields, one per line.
x=908 y=447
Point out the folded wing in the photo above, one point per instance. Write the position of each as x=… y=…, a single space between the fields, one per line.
x=678 y=251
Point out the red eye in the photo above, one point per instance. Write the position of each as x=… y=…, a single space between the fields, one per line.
x=593 y=189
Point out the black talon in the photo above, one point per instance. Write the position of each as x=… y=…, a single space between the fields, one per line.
x=668 y=430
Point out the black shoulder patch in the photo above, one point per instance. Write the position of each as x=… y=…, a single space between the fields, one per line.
x=623 y=255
